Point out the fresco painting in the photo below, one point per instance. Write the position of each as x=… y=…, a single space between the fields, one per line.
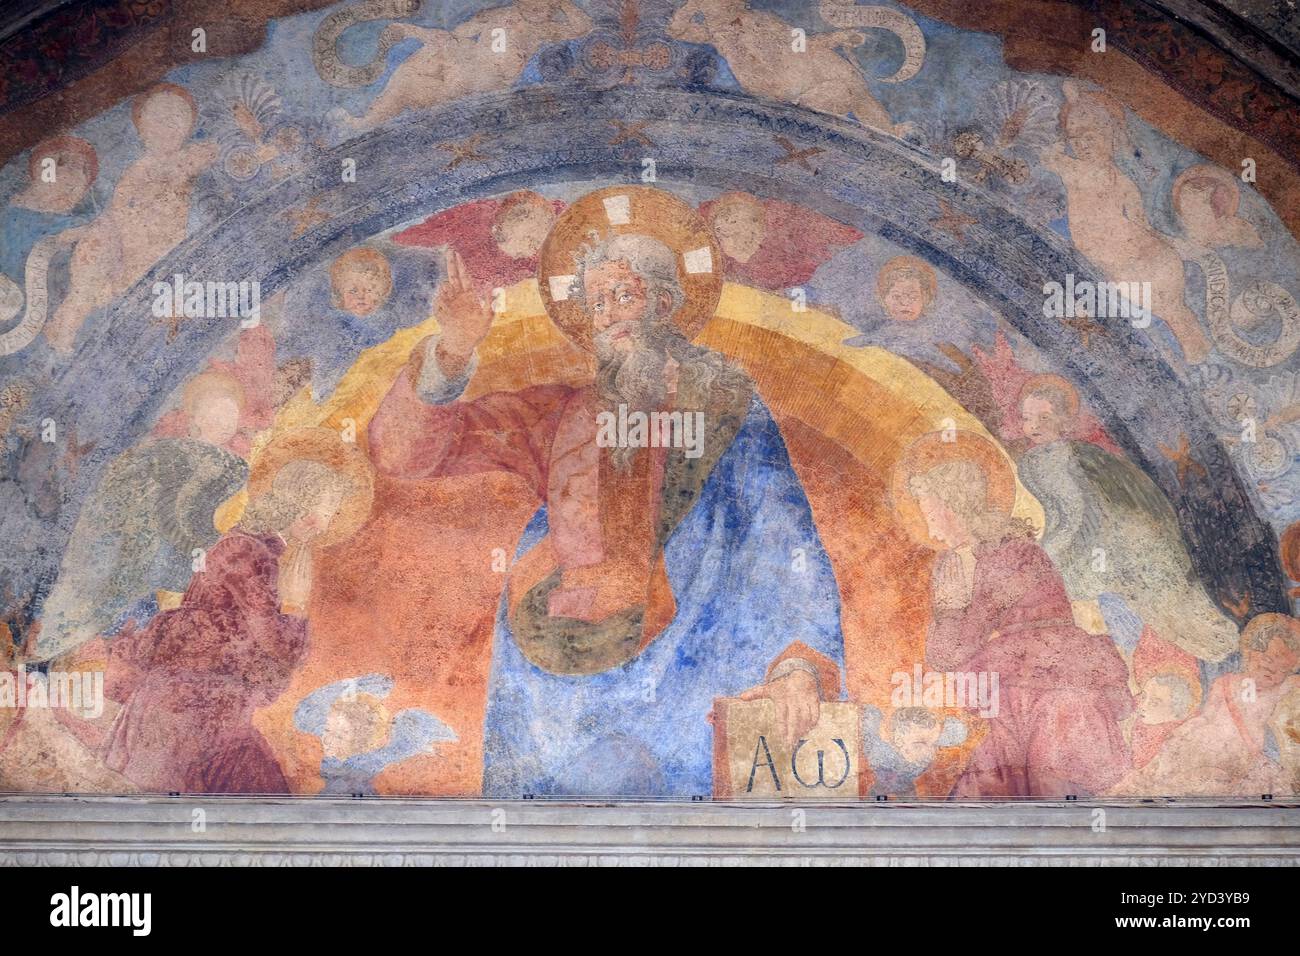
x=650 y=400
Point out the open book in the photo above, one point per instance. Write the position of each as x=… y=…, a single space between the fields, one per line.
x=752 y=761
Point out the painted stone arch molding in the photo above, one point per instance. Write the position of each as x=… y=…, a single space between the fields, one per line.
x=620 y=424
x=872 y=182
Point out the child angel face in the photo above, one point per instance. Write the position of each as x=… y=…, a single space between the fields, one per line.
x=62 y=170
x=217 y=419
x=916 y=735
x=1201 y=204
x=1041 y=420
x=1090 y=131
x=361 y=292
x=165 y=121
x=1272 y=663
x=355 y=725
x=906 y=286
x=1165 y=698
x=522 y=229
x=360 y=281
x=213 y=403
x=740 y=224
x=905 y=300
x=1049 y=407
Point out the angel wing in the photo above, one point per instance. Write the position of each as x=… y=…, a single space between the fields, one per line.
x=968 y=383
x=1111 y=530
x=136 y=534
x=413 y=732
x=1125 y=486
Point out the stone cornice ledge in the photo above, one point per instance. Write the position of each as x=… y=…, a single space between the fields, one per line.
x=220 y=831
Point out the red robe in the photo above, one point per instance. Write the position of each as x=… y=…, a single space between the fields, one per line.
x=1062 y=691
x=601 y=522
x=467 y=228
x=192 y=679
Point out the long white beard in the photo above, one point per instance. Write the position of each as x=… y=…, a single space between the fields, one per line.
x=635 y=378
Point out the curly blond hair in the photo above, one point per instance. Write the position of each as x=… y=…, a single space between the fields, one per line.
x=963 y=486
x=907 y=267
x=294 y=489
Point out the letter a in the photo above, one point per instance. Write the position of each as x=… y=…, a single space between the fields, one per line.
x=771 y=765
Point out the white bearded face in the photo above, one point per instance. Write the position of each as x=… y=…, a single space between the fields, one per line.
x=618 y=305
x=631 y=290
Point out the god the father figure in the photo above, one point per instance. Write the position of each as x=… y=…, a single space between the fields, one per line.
x=648 y=582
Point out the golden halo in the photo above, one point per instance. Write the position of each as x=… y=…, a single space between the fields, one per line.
x=931 y=450
x=641 y=210
x=327 y=447
x=1204 y=171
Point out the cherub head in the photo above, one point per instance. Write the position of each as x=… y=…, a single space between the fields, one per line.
x=360 y=281
x=1270 y=648
x=1205 y=200
x=521 y=224
x=1093 y=123
x=1165 y=698
x=739 y=220
x=62 y=169
x=906 y=286
x=213 y=403
x=914 y=732
x=164 y=116
x=356 y=724
x=1049 y=409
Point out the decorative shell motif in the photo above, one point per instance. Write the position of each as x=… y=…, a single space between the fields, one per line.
x=1019 y=114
